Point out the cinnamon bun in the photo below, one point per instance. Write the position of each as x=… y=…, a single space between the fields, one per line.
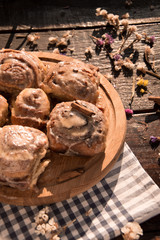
x=19 y=70
x=3 y=110
x=31 y=108
x=71 y=81
x=21 y=151
x=77 y=127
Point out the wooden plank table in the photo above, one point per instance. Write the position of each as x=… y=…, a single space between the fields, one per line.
x=46 y=20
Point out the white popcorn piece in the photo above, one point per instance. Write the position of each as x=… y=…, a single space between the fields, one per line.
x=131 y=231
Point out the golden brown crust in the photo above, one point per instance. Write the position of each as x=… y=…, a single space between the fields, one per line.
x=72 y=80
x=21 y=150
x=3 y=110
x=18 y=70
x=72 y=131
x=31 y=108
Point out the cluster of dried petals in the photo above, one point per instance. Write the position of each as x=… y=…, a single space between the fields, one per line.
x=131 y=231
x=118 y=65
x=101 y=12
x=141 y=67
x=131 y=29
x=53 y=40
x=43 y=224
x=108 y=39
x=113 y=20
x=127 y=63
x=129 y=112
x=128 y=3
x=142 y=82
x=32 y=38
x=149 y=39
x=138 y=36
x=142 y=85
x=125 y=24
x=56 y=51
x=125 y=16
x=55 y=237
x=62 y=44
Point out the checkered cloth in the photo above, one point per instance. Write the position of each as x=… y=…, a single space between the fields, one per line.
x=127 y=193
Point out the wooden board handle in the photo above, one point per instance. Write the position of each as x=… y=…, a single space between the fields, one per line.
x=155 y=99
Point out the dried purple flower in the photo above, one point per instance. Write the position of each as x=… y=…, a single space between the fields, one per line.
x=108 y=39
x=117 y=57
x=129 y=112
x=153 y=139
x=100 y=43
x=154 y=142
x=152 y=39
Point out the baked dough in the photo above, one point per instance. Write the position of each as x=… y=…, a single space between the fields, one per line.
x=31 y=108
x=3 y=110
x=77 y=127
x=21 y=151
x=71 y=81
x=19 y=70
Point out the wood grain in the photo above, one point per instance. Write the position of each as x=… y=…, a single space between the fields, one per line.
x=81 y=40
x=76 y=174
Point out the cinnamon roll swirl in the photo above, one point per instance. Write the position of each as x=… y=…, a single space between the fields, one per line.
x=21 y=151
x=77 y=127
x=19 y=70
x=71 y=81
x=3 y=110
x=31 y=108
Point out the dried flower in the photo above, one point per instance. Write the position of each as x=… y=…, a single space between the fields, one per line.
x=129 y=112
x=138 y=36
x=56 y=51
x=131 y=29
x=154 y=142
x=52 y=40
x=101 y=12
x=108 y=39
x=149 y=39
x=55 y=237
x=31 y=38
x=125 y=24
x=117 y=57
x=128 y=3
x=113 y=20
x=125 y=16
x=62 y=43
x=142 y=82
x=118 y=65
x=131 y=231
x=128 y=64
x=98 y=10
x=44 y=225
x=99 y=43
x=141 y=67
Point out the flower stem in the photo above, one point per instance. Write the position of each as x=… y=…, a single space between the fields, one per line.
x=152 y=74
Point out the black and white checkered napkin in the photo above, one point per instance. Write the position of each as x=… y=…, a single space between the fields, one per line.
x=127 y=193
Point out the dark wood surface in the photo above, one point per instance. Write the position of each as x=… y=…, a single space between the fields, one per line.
x=42 y=17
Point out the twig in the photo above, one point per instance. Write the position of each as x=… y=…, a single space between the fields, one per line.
x=133 y=90
x=87 y=112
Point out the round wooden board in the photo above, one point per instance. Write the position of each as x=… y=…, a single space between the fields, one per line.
x=90 y=169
